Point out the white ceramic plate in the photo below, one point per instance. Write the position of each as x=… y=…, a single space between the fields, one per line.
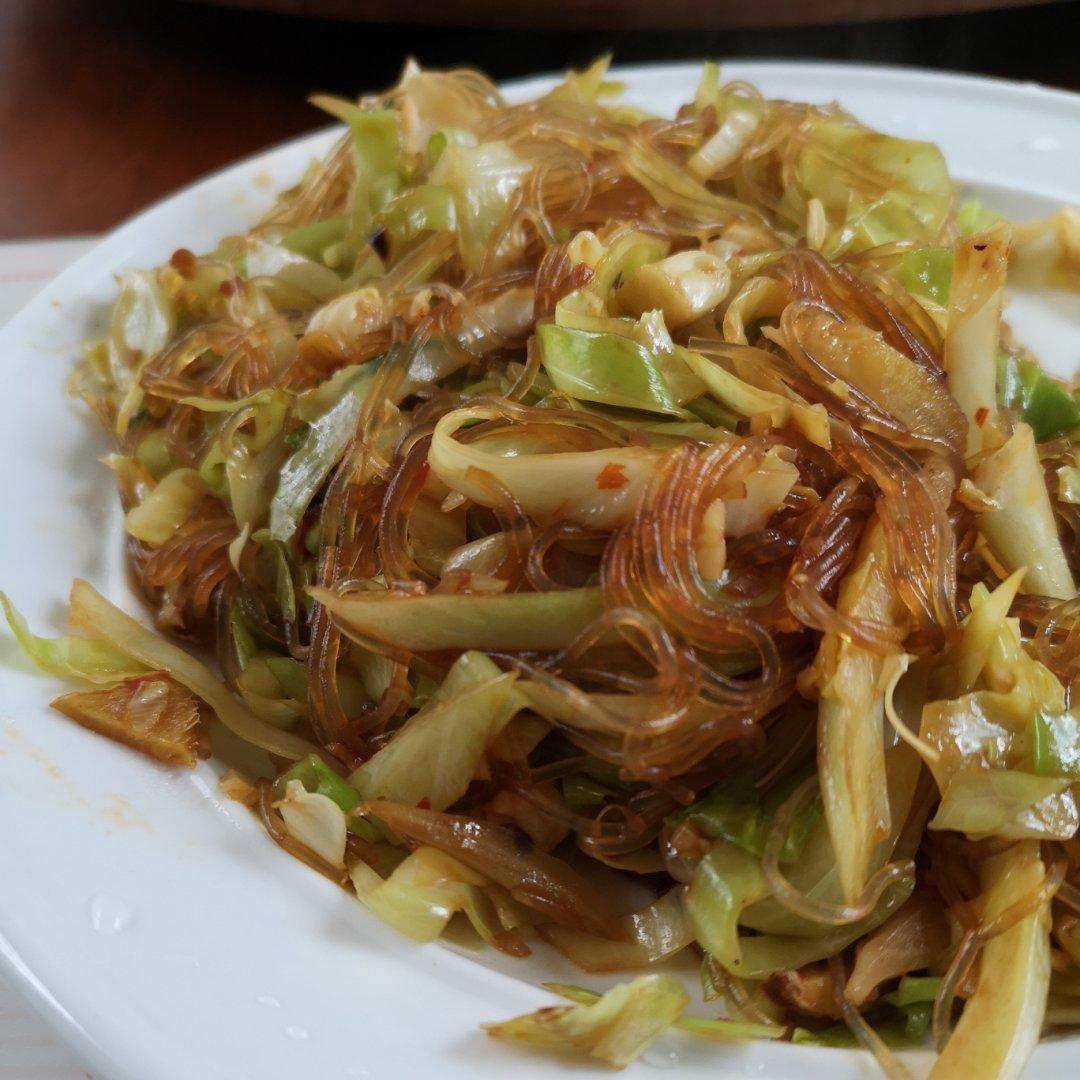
x=151 y=922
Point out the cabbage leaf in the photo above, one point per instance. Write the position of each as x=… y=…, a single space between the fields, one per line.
x=90 y=611
x=71 y=657
x=617 y=1027
x=323 y=444
x=874 y=188
x=1002 y=1019
x=513 y=621
x=439 y=751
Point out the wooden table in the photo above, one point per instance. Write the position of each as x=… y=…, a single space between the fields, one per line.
x=621 y=14
x=106 y=105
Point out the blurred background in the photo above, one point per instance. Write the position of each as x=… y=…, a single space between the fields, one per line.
x=106 y=105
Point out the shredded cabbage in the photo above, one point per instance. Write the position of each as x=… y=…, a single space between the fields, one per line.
x=515 y=621
x=441 y=749
x=1021 y=530
x=1007 y=803
x=91 y=612
x=874 y=188
x=617 y=1027
x=606 y=368
x=324 y=441
x=851 y=749
x=71 y=657
x=1001 y=1020
x=642 y=534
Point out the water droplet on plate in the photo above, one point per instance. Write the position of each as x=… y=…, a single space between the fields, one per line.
x=297 y=1032
x=269 y=1001
x=108 y=915
x=1044 y=143
x=663 y=1054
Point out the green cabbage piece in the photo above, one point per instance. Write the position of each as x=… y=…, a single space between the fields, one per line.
x=765 y=953
x=426 y=889
x=153 y=455
x=166 y=508
x=227 y=405
x=732 y=810
x=375 y=141
x=420 y=209
x=483 y=180
x=287 y=267
x=875 y=188
x=589 y=85
x=1050 y=408
x=312 y=240
x=616 y=1027
x=726 y=885
x=928 y=272
x=143 y=323
x=1023 y=530
x=914 y=990
x=1055 y=745
x=439 y=751
x=323 y=443
x=443 y=137
x=973 y=217
x=1009 y=804
x=90 y=611
x=291 y=674
x=604 y=368
x=512 y=621
x=728 y=880
x=71 y=657
x=721 y=1029
x=318 y=778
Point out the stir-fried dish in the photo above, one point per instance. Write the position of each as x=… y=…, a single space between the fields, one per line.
x=585 y=506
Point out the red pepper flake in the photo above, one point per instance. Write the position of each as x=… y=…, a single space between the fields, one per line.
x=424 y=804
x=980 y=416
x=464 y=581
x=582 y=274
x=227 y=287
x=611 y=477
x=183 y=262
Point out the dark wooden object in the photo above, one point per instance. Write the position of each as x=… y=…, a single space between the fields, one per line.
x=622 y=14
x=106 y=105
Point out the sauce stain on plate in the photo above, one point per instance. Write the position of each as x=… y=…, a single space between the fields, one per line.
x=119 y=811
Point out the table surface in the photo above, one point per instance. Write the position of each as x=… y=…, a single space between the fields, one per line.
x=107 y=105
